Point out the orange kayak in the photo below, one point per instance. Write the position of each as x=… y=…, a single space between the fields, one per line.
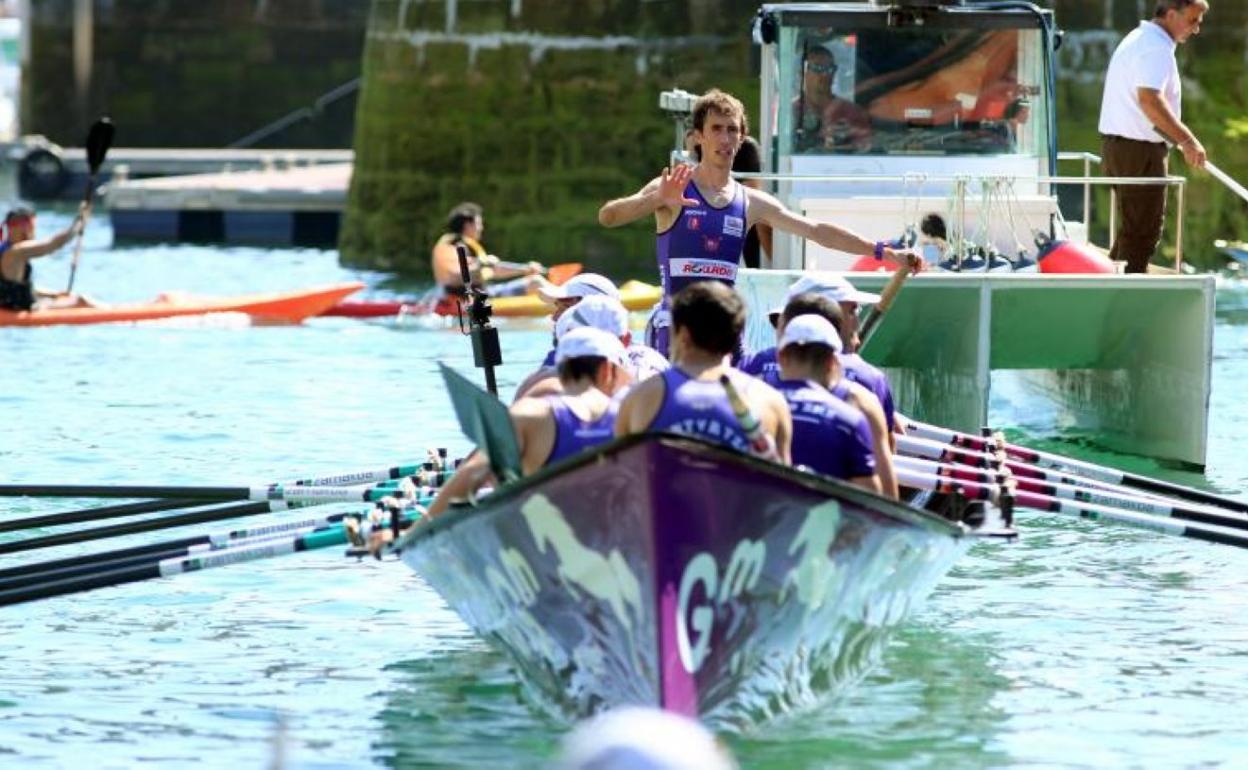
x=289 y=307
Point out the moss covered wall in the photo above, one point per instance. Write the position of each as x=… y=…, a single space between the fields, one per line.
x=196 y=73
x=542 y=109
x=538 y=109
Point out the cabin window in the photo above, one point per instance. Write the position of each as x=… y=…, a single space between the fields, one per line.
x=912 y=91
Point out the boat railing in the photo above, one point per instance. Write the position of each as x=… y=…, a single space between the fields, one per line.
x=963 y=183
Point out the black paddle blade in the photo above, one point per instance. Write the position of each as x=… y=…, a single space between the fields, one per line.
x=486 y=421
x=99 y=139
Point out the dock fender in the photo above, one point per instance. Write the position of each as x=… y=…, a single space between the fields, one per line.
x=41 y=173
x=1060 y=256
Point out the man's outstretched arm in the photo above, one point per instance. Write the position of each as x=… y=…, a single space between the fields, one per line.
x=665 y=190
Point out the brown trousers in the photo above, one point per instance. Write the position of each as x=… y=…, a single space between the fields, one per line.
x=1141 y=208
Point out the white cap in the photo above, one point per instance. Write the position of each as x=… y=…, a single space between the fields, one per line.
x=636 y=738
x=596 y=312
x=580 y=285
x=833 y=286
x=810 y=329
x=587 y=341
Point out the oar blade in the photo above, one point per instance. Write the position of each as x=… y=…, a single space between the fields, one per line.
x=486 y=421
x=559 y=274
x=99 y=140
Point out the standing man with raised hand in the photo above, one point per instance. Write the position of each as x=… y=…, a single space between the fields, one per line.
x=1141 y=111
x=701 y=214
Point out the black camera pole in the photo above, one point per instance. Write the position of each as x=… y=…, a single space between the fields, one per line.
x=486 y=351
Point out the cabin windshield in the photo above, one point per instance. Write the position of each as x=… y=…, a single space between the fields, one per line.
x=911 y=91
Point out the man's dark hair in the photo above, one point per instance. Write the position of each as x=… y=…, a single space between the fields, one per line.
x=809 y=303
x=579 y=368
x=20 y=212
x=1164 y=6
x=815 y=356
x=461 y=215
x=933 y=226
x=713 y=314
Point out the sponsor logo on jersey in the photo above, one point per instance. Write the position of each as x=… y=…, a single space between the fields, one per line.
x=734 y=226
x=702 y=268
x=710 y=243
x=695 y=223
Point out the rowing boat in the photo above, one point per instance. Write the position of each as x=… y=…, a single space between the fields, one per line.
x=666 y=571
x=289 y=307
x=634 y=294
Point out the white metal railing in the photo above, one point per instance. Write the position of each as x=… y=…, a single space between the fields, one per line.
x=962 y=182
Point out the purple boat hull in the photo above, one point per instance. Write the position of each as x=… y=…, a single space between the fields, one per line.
x=663 y=571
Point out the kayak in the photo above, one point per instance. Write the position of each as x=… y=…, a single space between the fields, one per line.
x=289 y=307
x=634 y=294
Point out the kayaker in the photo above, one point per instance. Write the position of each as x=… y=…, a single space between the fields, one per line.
x=829 y=436
x=464 y=227
x=707 y=320
x=702 y=215
x=835 y=288
x=552 y=428
x=840 y=386
x=17 y=286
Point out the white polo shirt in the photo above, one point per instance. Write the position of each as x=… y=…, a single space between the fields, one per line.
x=1144 y=59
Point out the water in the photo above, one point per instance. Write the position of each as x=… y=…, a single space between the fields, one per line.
x=1081 y=646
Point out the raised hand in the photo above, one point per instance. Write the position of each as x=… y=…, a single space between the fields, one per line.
x=672 y=184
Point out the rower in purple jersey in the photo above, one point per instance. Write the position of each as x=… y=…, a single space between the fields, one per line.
x=852 y=393
x=707 y=320
x=829 y=436
x=549 y=429
x=702 y=215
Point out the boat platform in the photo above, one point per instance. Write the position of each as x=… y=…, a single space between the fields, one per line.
x=46 y=171
x=286 y=207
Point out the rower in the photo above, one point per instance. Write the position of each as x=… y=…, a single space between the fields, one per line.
x=840 y=386
x=829 y=436
x=555 y=427
x=608 y=315
x=702 y=215
x=707 y=320
x=464 y=227
x=17 y=285
x=575 y=289
x=836 y=289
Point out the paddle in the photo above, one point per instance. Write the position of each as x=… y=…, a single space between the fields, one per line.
x=427 y=473
x=1227 y=180
x=876 y=313
x=1077 y=493
x=1099 y=472
x=99 y=139
x=1030 y=500
x=108 y=575
x=272 y=492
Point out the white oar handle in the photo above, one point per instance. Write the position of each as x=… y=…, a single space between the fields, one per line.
x=1226 y=179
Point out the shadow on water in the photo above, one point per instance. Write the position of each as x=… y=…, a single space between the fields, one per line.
x=460 y=709
x=929 y=706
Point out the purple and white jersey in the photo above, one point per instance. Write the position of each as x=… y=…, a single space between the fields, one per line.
x=762 y=364
x=701 y=409
x=829 y=436
x=859 y=371
x=704 y=243
x=574 y=435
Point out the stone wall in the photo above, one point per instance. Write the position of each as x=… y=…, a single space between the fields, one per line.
x=542 y=109
x=177 y=73
x=538 y=109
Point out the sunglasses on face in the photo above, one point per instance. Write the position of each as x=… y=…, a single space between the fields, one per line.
x=821 y=69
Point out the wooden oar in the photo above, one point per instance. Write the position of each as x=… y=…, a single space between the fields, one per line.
x=99 y=139
x=108 y=575
x=1092 y=470
x=877 y=311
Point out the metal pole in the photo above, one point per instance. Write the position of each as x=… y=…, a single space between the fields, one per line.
x=1178 y=228
x=1113 y=215
x=1087 y=193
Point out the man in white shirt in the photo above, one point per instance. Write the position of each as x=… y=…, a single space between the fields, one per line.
x=1141 y=111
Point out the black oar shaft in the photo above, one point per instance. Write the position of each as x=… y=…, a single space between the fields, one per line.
x=81 y=583
x=217 y=494
x=130 y=528
x=105 y=556
x=98 y=514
